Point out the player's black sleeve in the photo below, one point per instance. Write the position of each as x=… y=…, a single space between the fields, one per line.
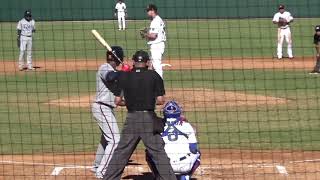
x=119 y=85
x=112 y=76
x=159 y=86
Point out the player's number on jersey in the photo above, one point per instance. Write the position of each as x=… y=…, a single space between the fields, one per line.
x=172 y=136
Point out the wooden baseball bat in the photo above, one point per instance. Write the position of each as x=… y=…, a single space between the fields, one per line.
x=104 y=43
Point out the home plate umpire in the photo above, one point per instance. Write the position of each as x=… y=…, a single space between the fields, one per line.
x=142 y=89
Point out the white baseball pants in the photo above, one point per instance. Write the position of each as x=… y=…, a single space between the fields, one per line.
x=184 y=166
x=25 y=47
x=122 y=20
x=284 y=34
x=157 y=51
x=108 y=125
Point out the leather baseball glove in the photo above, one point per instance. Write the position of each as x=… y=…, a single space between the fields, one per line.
x=282 y=22
x=144 y=32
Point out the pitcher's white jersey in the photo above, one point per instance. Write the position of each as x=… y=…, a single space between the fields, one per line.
x=26 y=27
x=121 y=7
x=177 y=139
x=286 y=15
x=284 y=32
x=158 y=27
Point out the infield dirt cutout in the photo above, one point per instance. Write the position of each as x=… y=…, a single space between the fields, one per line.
x=58 y=65
x=191 y=99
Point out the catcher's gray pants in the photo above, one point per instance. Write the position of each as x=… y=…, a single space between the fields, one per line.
x=139 y=126
x=107 y=122
x=25 y=47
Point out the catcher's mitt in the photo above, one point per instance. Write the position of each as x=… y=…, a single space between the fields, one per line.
x=144 y=32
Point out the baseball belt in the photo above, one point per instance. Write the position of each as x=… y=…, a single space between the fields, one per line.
x=104 y=104
x=184 y=157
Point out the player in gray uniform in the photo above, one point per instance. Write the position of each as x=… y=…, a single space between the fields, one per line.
x=26 y=27
x=103 y=113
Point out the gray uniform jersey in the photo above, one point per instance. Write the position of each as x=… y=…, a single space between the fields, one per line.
x=26 y=27
x=103 y=94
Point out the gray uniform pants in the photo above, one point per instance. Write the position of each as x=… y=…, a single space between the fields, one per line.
x=110 y=136
x=139 y=126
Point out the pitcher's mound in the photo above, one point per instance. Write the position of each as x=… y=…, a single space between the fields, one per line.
x=193 y=99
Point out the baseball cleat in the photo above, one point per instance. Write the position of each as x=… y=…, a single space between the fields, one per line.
x=291 y=58
x=94 y=169
x=31 y=69
x=314 y=72
x=99 y=175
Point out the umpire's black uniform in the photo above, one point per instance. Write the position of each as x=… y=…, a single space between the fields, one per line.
x=141 y=88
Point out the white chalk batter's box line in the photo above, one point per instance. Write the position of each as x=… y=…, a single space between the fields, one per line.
x=60 y=167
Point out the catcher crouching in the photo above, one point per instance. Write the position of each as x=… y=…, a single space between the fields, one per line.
x=180 y=144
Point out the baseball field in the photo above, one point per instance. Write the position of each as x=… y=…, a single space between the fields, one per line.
x=256 y=117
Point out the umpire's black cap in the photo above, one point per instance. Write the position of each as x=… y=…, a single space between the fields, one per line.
x=152 y=7
x=141 y=56
x=317 y=28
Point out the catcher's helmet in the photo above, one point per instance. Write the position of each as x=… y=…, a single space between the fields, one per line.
x=116 y=50
x=141 y=56
x=27 y=13
x=172 y=110
x=317 y=28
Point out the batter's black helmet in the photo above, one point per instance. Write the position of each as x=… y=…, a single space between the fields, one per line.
x=118 y=51
x=141 y=56
x=27 y=13
x=317 y=28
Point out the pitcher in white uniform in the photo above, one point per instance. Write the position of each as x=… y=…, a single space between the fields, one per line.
x=121 y=13
x=26 y=27
x=156 y=38
x=283 y=19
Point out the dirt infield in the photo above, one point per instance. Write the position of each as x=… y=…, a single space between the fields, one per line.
x=9 y=67
x=215 y=164
x=191 y=99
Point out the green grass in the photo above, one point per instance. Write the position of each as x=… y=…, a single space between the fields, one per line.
x=186 y=38
x=27 y=125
